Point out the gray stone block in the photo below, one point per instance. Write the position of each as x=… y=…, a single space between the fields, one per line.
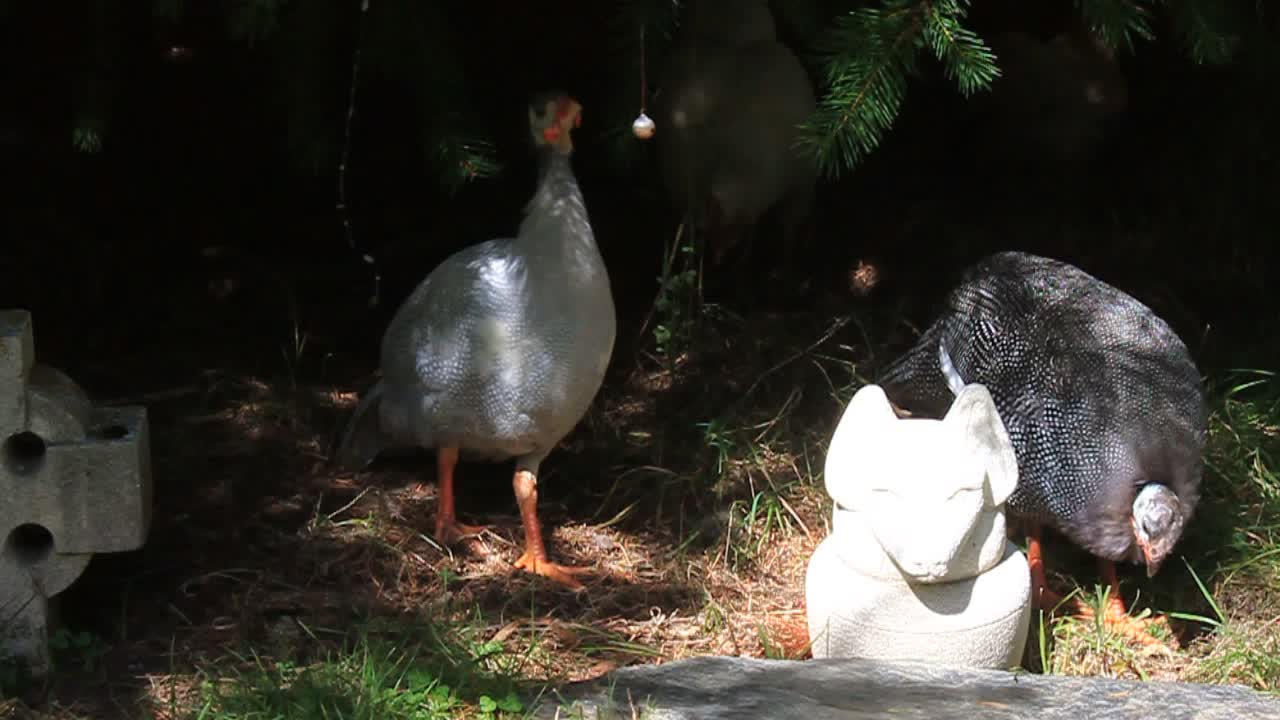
x=17 y=355
x=76 y=480
x=725 y=688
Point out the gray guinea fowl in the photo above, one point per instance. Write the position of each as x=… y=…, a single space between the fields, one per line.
x=500 y=351
x=1101 y=399
x=728 y=117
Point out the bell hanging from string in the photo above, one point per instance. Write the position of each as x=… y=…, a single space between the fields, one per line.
x=643 y=126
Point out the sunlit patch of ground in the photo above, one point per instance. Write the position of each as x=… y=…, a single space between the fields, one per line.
x=693 y=488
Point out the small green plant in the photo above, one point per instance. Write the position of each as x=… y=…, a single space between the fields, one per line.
x=81 y=649
x=772 y=650
x=753 y=523
x=719 y=438
x=713 y=618
x=86 y=140
x=676 y=308
x=489 y=707
x=1089 y=646
x=14 y=678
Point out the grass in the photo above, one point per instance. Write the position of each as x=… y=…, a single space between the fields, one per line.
x=428 y=673
x=1229 y=567
x=1245 y=618
x=319 y=594
x=274 y=586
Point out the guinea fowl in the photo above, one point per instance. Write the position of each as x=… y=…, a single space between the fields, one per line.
x=1101 y=399
x=1054 y=99
x=728 y=117
x=500 y=351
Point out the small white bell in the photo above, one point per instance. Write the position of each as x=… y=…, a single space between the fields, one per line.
x=643 y=127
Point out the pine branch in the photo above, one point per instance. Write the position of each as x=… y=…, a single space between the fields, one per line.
x=311 y=102
x=101 y=79
x=407 y=42
x=659 y=17
x=1198 y=27
x=869 y=56
x=252 y=21
x=411 y=42
x=1117 y=21
x=966 y=59
x=802 y=19
x=457 y=155
x=459 y=158
x=171 y=10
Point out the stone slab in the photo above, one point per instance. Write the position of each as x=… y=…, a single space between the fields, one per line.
x=17 y=354
x=731 y=688
x=93 y=495
x=75 y=481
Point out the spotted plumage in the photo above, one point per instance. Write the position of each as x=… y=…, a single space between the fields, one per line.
x=500 y=351
x=502 y=348
x=1101 y=399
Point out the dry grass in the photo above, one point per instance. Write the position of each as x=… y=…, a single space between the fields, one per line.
x=698 y=522
x=693 y=488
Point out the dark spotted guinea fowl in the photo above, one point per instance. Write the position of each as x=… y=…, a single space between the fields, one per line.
x=500 y=351
x=1102 y=401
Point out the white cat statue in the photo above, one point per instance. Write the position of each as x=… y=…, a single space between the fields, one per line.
x=917 y=565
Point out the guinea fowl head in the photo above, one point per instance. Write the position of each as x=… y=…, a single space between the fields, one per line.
x=1157 y=523
x=552 y=117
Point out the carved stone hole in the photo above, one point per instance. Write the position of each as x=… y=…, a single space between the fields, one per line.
x=75 y=480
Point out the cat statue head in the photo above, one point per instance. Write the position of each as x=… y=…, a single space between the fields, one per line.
x=931 y=492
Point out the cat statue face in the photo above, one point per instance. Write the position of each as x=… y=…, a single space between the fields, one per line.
x=930 y=491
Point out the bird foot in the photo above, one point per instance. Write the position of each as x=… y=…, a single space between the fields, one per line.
x=563 y=574
x=1115 y=617
x=449 y=531
x=1137 y=629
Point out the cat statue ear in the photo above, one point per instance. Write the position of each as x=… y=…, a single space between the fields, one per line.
x=849 y=454
x=858 y=445
x=921 y=487
x=974 y=414
x=917 y=564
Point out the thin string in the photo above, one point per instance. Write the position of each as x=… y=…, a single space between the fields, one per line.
x=644 y=87
x=343 y=212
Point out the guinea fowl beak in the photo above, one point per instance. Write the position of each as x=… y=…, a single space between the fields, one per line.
x=569 y=106
x=1149 y=556
x=565 y=108
x=1153 y=562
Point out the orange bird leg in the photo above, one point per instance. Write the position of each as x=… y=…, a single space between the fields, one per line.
x=448 y=529
x=534 y=558
x=1117 y=617
x=1041 y=596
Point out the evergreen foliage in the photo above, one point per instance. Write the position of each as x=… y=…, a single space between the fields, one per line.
x=101 y=77
x=405 y=42
x=1199 y=29
x=408 y=42
x=864 y=55
x=1116 y=22
x=870 y=54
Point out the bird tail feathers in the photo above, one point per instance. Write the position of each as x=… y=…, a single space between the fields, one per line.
x=363 y=438
x=917 y=380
